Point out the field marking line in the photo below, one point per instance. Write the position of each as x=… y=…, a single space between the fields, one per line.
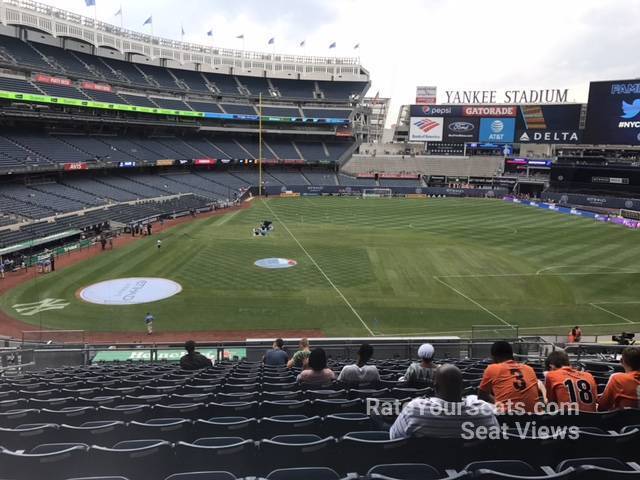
x=559 y=274
x=410 y=334
x=594 y=305
x=473 y=301
x=364 y=324
x=622 y=302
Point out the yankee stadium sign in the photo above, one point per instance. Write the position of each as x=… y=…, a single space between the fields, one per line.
x=550 y=95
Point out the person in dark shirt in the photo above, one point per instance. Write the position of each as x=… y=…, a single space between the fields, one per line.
x=194 y=360
x=276 y=356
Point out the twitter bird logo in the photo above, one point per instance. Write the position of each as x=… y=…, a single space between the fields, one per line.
x=631 y=109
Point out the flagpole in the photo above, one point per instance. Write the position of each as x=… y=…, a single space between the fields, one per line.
x=260 y=145
x=121 y=18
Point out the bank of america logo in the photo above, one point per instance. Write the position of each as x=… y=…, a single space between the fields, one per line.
x=426 y=125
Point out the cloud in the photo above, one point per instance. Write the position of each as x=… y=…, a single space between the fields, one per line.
x=463 y=43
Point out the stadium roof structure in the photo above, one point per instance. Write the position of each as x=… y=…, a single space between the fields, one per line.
x=62 y=23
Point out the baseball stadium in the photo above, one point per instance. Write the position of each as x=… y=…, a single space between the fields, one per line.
x=222 y=263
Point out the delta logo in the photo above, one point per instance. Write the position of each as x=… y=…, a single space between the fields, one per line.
x=426 y=125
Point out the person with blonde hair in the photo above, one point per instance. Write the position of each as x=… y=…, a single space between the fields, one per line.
x=301 y=357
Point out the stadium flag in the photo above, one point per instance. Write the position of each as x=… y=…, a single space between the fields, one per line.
x=210 y=33
x=148 y=21
x=356 y=46
x=333 y=45
x=302 y=43
x=90 y=3
x=119 y=14
x=271 y=41
x=181 y=32
x=240 y=37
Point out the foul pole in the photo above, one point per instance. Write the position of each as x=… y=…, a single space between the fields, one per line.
x=260 y=145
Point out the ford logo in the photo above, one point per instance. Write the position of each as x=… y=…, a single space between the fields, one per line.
x=461 y=127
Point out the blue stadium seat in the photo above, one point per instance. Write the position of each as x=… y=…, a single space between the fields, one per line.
x=29 y=435
x=306 y=473
x=225 y=427
x=191 y=411
x=55 y=466
x=295 y=451
x=233 y=409
x=102 y=432
x=136 y=460
x=324 y=407
x=269 y=427
x=232 y=454
x=484 y=474
x=272 y=408
x=67 y=415
x=405 y=471
x=211 y=475
x=126 y=413
x=591 y=472
x=512 y=467
x=55 y=447
x=169 y=429
x=602 y=462
x=340 y=424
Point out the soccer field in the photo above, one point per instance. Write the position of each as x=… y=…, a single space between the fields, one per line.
x=366 y=267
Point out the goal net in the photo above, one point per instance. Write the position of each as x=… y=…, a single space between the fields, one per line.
x=632 y=214
x=494 y=332
x=376 y=192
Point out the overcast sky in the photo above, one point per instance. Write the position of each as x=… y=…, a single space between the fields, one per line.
x=494 y=44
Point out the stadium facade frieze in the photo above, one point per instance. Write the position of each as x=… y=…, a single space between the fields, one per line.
x=546 y=95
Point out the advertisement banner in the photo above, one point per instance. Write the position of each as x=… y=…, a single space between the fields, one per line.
x=165 y=162
x=98 y=87
x=497 y=130
x=461 y=129
x=429 y=129
x=613 y=113
x=127 y=164
x=205 y=161
x=490 y=111
x=557 y=124
x=75 y=166
x=426 y=95
x=42 y=78
x=435 y=111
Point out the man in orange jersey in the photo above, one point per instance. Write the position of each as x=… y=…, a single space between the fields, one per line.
x=623 y=389
x=511 y=385
x=568 y=386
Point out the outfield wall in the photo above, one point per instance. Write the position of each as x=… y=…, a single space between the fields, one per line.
x=593 y=200
x=319 y=190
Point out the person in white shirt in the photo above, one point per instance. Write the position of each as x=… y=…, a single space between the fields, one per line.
x=359 y=372
x=421 y=373
x=448 y=414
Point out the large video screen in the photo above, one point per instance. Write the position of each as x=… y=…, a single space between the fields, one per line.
x=613 y=113
x=558 y=124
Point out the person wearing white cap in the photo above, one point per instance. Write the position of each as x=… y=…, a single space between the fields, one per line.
x=421 y=373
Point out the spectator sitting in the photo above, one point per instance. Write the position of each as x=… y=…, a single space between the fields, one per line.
x=360 y=372
x=443 y=415
x=421 y=373
x=300 y=358
x=276 y=356
x=575 y=335
x=623 y=389
x=511 y=385
x=194 y=360
x=317 y=374
x=567 y=386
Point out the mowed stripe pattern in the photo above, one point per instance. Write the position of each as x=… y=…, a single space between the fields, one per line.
x=386 y=256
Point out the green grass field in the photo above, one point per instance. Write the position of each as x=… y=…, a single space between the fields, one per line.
x=387 y=266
